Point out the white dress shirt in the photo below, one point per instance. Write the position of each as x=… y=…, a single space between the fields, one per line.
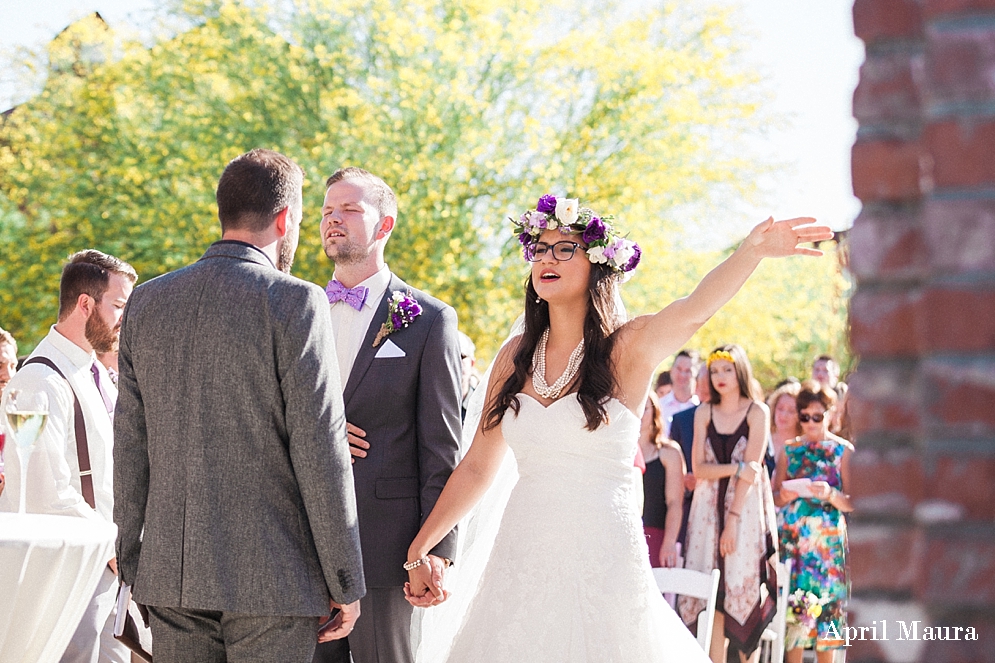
x=351 y=325
x=669 y=406
x=53 y=484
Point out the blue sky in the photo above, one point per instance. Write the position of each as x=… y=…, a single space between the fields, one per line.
x=806 y=49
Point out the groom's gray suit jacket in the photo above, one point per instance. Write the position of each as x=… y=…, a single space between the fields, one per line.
x=410 y=409
x=230 y=447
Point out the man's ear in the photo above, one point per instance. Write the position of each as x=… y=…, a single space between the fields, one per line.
x=85 y=303
x=281 y=220
x=386 y=225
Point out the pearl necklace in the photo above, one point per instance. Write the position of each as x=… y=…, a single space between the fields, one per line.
x=553 y=391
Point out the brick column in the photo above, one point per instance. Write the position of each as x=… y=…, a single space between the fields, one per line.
x=923 y=324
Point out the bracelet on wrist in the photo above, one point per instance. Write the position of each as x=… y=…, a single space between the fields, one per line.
x=739 y=470
x=415 y=564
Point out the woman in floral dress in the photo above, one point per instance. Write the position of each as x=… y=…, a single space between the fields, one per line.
x=810 y=483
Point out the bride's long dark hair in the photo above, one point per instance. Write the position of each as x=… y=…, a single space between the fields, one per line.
x=596 y=376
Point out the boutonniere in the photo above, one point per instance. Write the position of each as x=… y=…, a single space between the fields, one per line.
x=402 y=309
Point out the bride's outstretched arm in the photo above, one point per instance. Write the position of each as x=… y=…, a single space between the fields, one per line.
x=659 y=335
x=466 y=485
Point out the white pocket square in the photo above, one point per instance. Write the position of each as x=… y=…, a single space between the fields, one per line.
x=388 y=350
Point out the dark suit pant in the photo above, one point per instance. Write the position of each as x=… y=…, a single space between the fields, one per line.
x=207 y=636
x=382 y=633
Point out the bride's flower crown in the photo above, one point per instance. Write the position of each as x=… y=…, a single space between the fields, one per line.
x=604 y=244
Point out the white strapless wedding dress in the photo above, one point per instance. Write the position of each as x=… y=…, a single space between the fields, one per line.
x=569 y=580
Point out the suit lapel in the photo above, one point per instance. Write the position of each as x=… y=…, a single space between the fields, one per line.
x=366 y=351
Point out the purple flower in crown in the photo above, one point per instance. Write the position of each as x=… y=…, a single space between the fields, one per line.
x=595 y=231
x=547 y=204
x=634 y=260
x=610 y=252
x=402 y=309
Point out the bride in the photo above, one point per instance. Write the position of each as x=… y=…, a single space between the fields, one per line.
x=569 y=578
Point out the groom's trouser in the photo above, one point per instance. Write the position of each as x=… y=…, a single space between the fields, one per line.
x=182 y=635
x=382 y=633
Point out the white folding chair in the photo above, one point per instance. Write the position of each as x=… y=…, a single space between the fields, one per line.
x=773 y=635
x=698 y=584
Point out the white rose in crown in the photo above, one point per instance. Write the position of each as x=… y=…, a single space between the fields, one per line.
x=597 y=254
x=566 y=210
x=624 y=250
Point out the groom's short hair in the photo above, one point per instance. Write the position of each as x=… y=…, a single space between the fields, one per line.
x=254 y=187
x=378 y=193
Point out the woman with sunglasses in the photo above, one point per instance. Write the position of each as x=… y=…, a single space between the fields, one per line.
x=568 y=577
x=810 y=483
x=732 y=523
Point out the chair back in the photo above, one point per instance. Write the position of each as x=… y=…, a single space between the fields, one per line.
x=697 y=584
x=774 y=634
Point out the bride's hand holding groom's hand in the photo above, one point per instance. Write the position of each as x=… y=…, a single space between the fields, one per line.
x=425 y=586
x=342 y=624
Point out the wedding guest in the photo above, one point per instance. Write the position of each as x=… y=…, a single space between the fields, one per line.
x=233 y=490
x=840 y=424
x=8 y=358
x=813 y=533
x=663 y=487
x=109 y=360
x=731 y=526
x=664 y=385
x=469 y=378
x=826 y=371
x=682 y=432
x=71 y=473
x=683 y=372
x=8 y=366
x=402 y=394
x=783 y=416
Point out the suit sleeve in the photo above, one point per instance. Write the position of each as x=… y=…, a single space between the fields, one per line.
x=439 y=426
x=131 y=458
x=319 y=449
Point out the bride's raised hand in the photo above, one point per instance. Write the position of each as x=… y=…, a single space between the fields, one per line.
x=778 y=239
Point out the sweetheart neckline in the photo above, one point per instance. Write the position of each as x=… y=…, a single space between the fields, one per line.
x=567 y=397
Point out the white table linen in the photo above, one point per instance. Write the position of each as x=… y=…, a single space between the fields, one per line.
x=49 y=569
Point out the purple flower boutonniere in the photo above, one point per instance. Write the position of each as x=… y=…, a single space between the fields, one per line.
x=402 y=309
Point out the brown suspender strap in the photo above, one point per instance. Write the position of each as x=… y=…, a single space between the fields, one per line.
x=82 y=449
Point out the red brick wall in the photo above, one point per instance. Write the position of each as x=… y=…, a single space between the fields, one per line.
x=923 y=324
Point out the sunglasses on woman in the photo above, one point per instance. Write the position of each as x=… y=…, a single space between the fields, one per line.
x=805 y=418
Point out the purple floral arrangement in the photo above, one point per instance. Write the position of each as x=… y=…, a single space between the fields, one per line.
x=604 y=244
x=402 y=309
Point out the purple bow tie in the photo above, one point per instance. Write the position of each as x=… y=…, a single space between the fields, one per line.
x=354 y=297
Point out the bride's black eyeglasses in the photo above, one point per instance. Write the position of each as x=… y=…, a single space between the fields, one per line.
x=561 y=250
x=805 y=418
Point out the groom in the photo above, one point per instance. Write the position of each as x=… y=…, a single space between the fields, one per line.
x=402 y=400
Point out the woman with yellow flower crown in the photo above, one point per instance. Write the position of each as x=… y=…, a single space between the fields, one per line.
x=732 y=524
x=568 y=577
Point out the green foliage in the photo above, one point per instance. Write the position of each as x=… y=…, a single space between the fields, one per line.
x=469 y=110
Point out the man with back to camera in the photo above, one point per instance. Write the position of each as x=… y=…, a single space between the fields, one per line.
x=230 y=442
x=70 y=473
x=402 y=399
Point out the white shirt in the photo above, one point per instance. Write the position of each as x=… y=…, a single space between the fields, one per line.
x=351 y=325
x=670 y=406
x=53 y=484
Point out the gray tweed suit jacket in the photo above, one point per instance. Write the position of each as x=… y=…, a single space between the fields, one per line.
x=230 y=448
x=410 y=409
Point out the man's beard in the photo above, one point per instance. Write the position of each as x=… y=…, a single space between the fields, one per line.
x=100 y=335
x=287 y=250
x=346 y=253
